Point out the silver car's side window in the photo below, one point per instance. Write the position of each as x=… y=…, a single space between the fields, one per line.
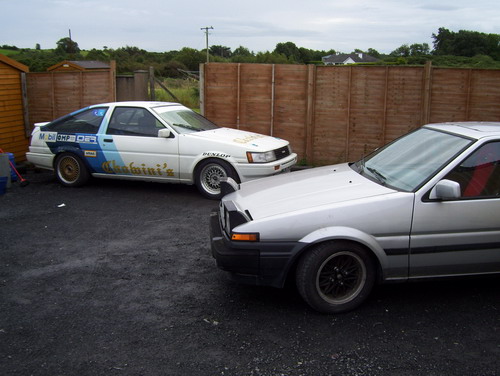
x=479 y=174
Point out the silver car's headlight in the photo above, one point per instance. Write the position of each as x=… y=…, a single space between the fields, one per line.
x=254 y=157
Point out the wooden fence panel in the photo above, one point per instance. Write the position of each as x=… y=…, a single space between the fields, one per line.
x=335 y=114
x=367 y=100
x=331 y=115
x=449 y=95
x=54 y=94
x=289 y=115
x=404 y=104
x=484 y=102
x=223 y=108
x=255 y=98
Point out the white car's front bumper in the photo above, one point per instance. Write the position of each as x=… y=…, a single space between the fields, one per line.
x=250 y=171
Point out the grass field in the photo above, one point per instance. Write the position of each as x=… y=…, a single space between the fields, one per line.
x=186 y=91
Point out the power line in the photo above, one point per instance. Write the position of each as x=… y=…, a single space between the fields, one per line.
x=206 y=36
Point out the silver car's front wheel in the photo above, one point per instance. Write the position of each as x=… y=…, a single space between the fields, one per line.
x=335 y=276
x=209 y=174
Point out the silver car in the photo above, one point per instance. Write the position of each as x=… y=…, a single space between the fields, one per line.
x=425 y=205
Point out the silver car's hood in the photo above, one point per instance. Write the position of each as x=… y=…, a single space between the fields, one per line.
x=304 y=190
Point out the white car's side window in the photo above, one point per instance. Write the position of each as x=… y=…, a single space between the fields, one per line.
x=479 y=174
x=133 y=121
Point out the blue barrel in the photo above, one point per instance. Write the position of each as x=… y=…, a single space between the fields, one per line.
x=3 y=184
x=13 y=175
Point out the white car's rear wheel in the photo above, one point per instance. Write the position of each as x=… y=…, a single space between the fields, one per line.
x=70 y=170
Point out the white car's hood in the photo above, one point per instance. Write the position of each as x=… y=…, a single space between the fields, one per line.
x=303 y=190
x=251 y=141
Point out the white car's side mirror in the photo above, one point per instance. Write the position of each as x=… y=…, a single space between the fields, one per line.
x=164 y=133
x=445 y=190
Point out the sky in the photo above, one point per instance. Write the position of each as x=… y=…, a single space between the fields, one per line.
x=165 y=25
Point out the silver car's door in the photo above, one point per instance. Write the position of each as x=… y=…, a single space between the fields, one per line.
x=131 y=147
x=461 y=235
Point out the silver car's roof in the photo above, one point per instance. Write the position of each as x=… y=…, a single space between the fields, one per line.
x=472 y=129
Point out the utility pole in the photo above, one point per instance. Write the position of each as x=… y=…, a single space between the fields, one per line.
x=206 y=36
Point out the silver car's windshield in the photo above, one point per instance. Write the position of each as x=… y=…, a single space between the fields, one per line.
x=184 y=120
x=410 y=161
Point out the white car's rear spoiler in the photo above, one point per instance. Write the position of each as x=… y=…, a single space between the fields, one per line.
x=41 y=124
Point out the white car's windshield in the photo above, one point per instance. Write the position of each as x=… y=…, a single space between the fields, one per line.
x=184 y=120
x=410 y=161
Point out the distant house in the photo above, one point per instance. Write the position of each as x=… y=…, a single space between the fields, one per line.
x=79 y=65
x=343 y=59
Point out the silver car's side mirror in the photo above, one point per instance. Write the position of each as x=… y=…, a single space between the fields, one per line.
x=445 y=190
x=164 y=133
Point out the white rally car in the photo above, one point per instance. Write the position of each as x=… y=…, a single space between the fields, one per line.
x=154 y=141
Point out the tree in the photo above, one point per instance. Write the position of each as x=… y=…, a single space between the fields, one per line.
x=466 y=43
x=191 y=58
x=403 y=50
x=99 y=55
x=290 y=50
x=221 y=51
x=374 y=53
x=67 y=45
x=419 y=49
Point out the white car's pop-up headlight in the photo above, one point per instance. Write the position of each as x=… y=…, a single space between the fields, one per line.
x=254 y=157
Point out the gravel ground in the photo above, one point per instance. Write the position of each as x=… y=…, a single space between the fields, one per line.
x=116 y=278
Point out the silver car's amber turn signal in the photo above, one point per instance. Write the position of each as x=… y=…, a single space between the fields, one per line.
x=240 y=237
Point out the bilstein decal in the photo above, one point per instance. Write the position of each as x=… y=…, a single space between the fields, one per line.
x=111 y=167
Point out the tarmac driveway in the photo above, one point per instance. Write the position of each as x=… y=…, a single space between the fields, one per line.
x=115 y=278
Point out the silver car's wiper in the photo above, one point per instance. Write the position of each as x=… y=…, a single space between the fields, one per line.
x=360 y=165
x=380 y=177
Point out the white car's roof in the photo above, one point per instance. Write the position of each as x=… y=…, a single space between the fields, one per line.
x=472 y=129
x=147 y=104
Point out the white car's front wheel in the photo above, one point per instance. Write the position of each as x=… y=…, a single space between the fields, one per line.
x=208 y=175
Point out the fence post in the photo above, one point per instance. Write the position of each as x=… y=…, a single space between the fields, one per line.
x=311 y=98
x=26 y=114
x=202 y=88
x=426 y=106
x=152 y=94
x=112 y=80
x=141 y=85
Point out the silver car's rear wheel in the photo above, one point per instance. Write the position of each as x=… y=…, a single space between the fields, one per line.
x=335 y=276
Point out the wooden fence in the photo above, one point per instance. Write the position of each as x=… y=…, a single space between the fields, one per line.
x=336 y=114
x=54 y=94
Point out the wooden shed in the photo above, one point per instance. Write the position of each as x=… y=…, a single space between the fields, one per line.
x=79 y=65
x=14 y=125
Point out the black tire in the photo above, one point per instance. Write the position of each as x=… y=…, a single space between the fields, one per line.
x=335 y=276
x=71 y=170
x=208 y=175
